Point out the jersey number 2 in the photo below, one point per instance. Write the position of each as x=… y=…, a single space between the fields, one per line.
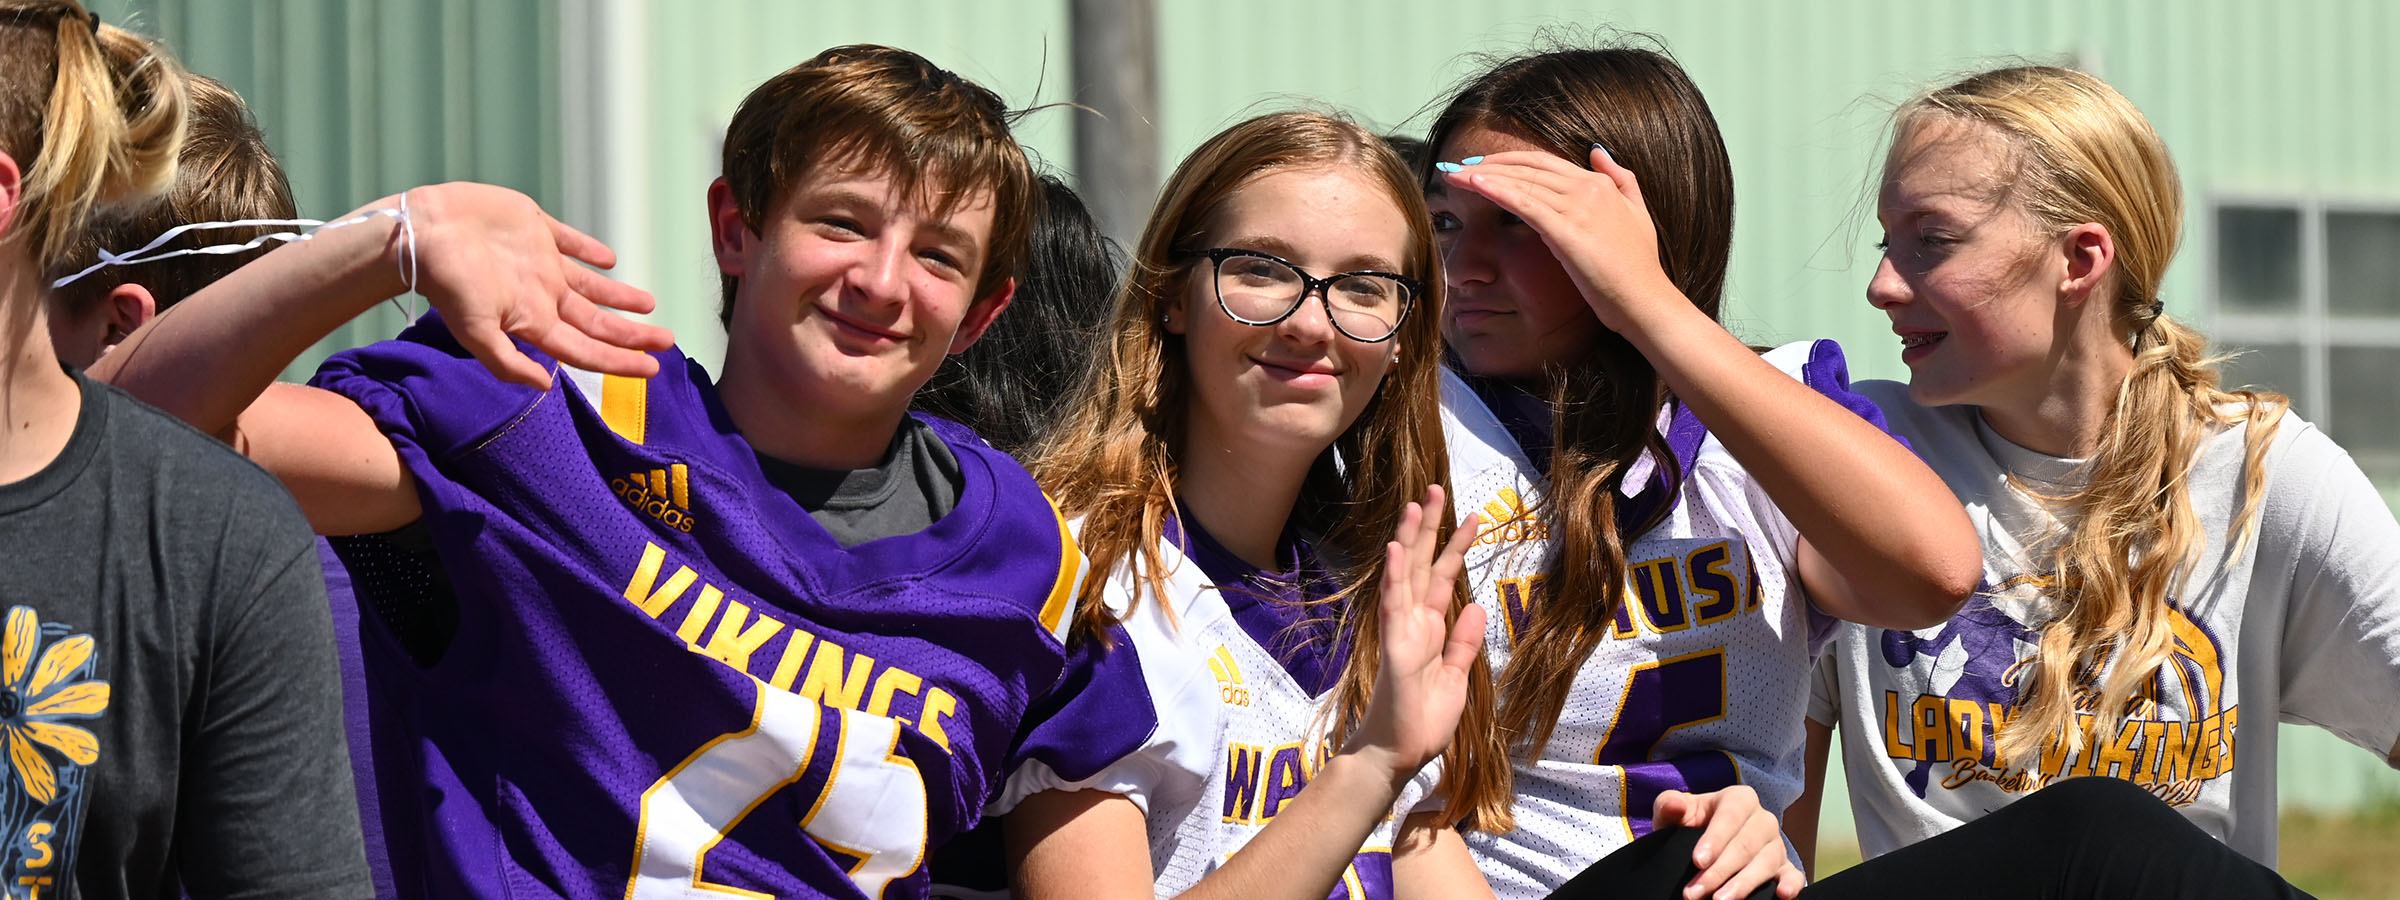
x=1660 y=697
x=872 y=806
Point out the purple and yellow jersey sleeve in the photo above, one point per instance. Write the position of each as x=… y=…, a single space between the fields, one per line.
x=663 y=676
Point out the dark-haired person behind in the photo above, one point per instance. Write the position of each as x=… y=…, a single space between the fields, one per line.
x=226 y=172
x=1009 y=386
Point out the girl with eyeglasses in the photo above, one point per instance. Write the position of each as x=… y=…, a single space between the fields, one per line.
x=1253 y=465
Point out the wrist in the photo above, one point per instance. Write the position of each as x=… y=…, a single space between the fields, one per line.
x=1370 y=763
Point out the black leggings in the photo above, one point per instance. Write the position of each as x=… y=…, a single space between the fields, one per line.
x=2080 y=838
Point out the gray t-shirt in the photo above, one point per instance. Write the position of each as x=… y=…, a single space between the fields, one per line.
x=168 y=692
x=914 y=485
x=2300 y=624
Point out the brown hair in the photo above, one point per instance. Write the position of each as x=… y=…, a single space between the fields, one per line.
x=1640 y=105
x=1112 y=459
x=2080 y=152
x=868 y=108
x=226 y=173
x=94 y=113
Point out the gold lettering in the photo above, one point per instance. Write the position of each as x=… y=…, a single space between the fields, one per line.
x=830 y=684
x=638 y=590
x=702 y=610
x=34 y=836
x=938 y=703
x=1930 y=717
x=1891 y=728
x=1966 y=730
x=890 y=681
x=733 y=643
x=2119 y=755
x=2233 y=720
x=795 y=652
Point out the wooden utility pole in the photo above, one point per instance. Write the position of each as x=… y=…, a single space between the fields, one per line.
x=1116 y=74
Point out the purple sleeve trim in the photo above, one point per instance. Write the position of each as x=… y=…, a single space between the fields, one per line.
x=1099 y=712
x=1829 y=373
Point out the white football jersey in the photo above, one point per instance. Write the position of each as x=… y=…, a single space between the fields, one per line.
x=1701 y=682
x=1239 y=734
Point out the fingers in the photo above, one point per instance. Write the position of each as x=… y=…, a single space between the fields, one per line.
x=1466 y=638
x=1735 y=845
x=609 y=292
x=1454 y=556
x=491 y=346
x=583 y=351
x=1767 y=863
x=585 y=316
x=1676 y=808
x=1627 y=184
x=1538 y=206
x=581 y=246
x=1789 y=881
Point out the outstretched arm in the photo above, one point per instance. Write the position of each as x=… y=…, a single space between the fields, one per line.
x=1420 y=689
x=487 y=257
x=1882 y=540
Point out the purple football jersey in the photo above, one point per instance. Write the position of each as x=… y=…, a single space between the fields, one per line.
x=662 y=678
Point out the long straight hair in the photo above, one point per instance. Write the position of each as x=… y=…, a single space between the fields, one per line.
x=2080 y=153
x=1112 y=458
x=1651 y=117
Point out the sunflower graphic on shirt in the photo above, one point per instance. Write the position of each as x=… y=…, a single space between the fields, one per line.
x=45 y=686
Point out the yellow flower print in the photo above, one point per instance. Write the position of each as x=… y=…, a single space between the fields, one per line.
x=32 y=696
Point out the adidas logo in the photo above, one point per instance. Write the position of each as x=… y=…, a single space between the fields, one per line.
x=1507 y=519
x=666 y=494
x=1229 y=678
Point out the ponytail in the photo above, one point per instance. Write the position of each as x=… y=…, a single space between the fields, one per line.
x=2134 y=540
x=93 y=113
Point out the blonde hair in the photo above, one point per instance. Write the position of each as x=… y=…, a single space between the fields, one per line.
x=228 y=173
x=2082 y=153
x=93 y=112
x=1111 y=459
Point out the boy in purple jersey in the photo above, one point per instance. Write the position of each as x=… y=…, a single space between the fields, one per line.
x=638 y=634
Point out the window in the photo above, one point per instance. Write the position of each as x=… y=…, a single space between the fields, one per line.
x=2309 y=294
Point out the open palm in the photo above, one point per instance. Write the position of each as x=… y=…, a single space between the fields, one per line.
x=1421 y=684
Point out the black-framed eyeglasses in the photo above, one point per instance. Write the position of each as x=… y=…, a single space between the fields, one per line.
x=1257 y=288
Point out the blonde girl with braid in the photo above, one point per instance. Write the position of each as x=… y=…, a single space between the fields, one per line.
x=170 y=701
x=2172 y=565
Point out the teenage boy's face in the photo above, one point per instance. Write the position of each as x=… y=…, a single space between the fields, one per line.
x=851 y=292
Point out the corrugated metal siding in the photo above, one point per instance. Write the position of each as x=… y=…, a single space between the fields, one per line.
x=2296 y=99
x=362 y=99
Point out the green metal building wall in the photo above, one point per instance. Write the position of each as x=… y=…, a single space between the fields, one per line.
x=362 y=98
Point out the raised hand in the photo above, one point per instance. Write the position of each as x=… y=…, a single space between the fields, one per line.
x=1421 y=683
x=1741 y=843
x=1594 y=221
x=496 y=265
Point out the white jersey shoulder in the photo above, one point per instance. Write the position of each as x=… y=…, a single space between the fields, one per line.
x=1238 y=738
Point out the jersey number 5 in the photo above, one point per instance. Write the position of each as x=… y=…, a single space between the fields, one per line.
x=1660 y=697
x=872 y=806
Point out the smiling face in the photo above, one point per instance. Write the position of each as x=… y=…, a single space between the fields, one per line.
x=1298 y=382
x=852 y=292
x=1512 y=311
x=1967 y=277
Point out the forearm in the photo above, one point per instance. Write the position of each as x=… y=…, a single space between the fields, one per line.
x=1303 y=852
x=1884 y=521
x=206 y=359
